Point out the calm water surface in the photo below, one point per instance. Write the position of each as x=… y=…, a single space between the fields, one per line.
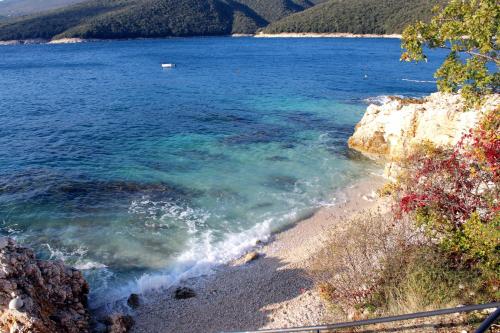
x=136 y=174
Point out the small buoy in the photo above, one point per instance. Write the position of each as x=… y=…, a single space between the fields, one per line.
x=366 y=76
x=16 y=303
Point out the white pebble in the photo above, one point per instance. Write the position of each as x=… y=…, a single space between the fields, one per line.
x=16 y=303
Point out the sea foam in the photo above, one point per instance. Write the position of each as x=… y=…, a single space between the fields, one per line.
x=202 y=256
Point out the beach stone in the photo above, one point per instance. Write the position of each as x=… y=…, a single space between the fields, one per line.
x=250 y=256
x=119 y=323
x=16 y=303
x=38 y=295
x=134 y=301
x=184 y=293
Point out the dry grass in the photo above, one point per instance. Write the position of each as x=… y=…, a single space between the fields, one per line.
x=373 y=266
x=350 y=267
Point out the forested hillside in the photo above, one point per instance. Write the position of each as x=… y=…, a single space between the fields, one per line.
x=113 y=19
x=151 y=18
x=356 y=16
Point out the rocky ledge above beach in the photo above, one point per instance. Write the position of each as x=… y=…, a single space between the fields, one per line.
x=388 y=132
x=38 y=295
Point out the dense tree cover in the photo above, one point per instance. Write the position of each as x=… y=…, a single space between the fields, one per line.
x=151 y=18
x=356 y=16
x=470 y=30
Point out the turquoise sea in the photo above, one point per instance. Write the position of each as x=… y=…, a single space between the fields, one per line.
x=140 y=175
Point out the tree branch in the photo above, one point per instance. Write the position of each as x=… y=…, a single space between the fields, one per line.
x=477 y=54
x=487 y=57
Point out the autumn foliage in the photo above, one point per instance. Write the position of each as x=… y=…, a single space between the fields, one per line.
x=454 y=194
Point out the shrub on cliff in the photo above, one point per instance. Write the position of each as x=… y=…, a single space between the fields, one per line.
x=454 y=194
x=469 y=29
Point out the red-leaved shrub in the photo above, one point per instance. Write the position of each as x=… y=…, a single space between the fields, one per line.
x=454 y=193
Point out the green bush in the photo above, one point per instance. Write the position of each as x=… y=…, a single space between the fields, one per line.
x=478 y=244
x=427 y=280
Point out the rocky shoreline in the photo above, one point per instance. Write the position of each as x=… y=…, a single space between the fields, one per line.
x=40 y=296
x=388 y=132
x=47 y=296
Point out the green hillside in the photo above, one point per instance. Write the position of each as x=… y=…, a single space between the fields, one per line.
x=151 y=18
x=356 y=16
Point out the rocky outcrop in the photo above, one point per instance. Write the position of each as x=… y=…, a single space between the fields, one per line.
x=39 y=296
x=388 y=132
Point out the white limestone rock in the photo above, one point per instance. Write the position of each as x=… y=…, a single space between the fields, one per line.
x=388 y=132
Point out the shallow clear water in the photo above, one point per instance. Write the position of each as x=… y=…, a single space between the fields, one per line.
x=137 y=174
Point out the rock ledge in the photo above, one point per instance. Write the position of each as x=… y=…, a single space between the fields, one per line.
x=39 y=296
x=388 y=132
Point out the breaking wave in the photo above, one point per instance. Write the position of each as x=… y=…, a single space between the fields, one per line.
x=202 y=255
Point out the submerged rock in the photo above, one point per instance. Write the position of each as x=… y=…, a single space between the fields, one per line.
x=40 y=296
x=184 y=293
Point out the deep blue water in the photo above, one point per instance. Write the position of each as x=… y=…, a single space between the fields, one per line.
x=129 y=171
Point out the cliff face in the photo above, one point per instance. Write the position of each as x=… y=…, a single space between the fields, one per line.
x=388 y=132
x=39 y=296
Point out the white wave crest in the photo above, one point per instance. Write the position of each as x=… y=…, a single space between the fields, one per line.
x=89 y=265
x=200 y=258
x=75 y=258
x=419 y=81
x=203 y=254
x=168 y=213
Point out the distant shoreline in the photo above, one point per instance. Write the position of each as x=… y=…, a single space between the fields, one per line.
x=323 y=35
x=258 y=35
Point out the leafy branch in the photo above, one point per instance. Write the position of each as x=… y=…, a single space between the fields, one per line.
x=470 y=30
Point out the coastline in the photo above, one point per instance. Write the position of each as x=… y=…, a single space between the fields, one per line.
x=277 y=288
x=257 y=35
x=324 y=35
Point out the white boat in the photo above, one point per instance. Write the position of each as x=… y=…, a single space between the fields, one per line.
x=167 y=65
